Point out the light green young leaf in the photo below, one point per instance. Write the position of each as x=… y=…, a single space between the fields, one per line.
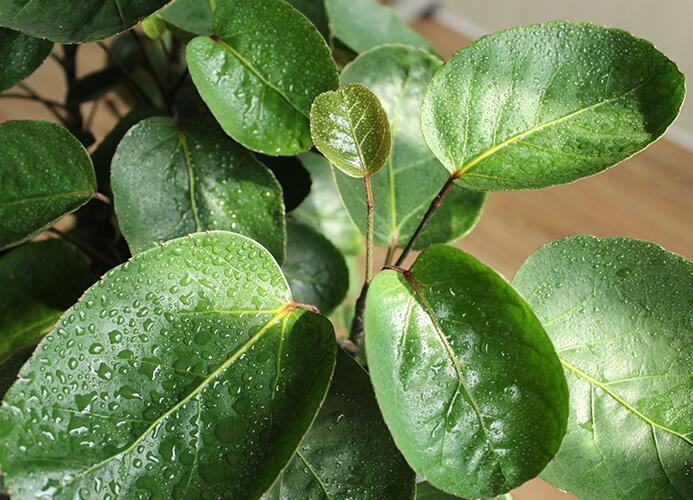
x=403 y=191
x=465 y=375
x=364 y=24
x=350 y=127
x=323 y=209
x=199 y=335
x=619 y=313
x=348 y=452
x=21 y=55
x=547 y=104
x=260 y=72
x=45 y=174
x=64 y=21
x=170 y=180
x=194 y=16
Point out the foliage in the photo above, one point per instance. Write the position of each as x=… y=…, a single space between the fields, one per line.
x=202 y=362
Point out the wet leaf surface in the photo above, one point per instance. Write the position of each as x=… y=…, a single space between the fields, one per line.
x=618 y=312
x=21 y=55
x=194 y=16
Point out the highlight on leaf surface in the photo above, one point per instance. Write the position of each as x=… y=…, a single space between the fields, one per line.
x=546 y=104
x=260 y=72
x=465 y=375
x=412 y=176
x=619 y=313
x=21 y=55
x=350 y=127
x=186 y=363
x=170 y=180
x=45 y=174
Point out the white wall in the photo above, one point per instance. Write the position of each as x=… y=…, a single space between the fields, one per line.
x=667 y=23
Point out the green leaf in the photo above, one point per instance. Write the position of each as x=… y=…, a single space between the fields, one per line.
x=403 y=191
x=364 y=24
x=465 y=375
x=348 y=452
x=63 y=21
x=619 y=313
x=260 y=73
x=194 y=16
x=547 y=104
x=38 y=281
x=349 y=126
x=315 y=269
x=315 y=11
x=292 y=177
x=323 y=209
x=188 y=371
x=45 y=174
x=424 y=491
x=21 y=55
x=94 y=85
x=171 y=180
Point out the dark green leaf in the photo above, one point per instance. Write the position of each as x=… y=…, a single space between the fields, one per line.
x=619 y=312
x=38 y=281
x=8 y=376
x=323 y=209
x=348 y=452
x=169 y=181
x=315 y=269
x=64 y=21
x=21 y=55
x=45 y=173
x=315 y=11
x=424 y=491
x=465 y=375
x=194 y=16
x=547 y=104
x=349 y=126
x=187 y=372
x=292 y=176
x=260 y=73
x=364 y=24
x=403 y=191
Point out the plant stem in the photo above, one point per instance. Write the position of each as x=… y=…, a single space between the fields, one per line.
x=92 y=252
x=48 y=104
x=149 y=63
x=75 y=122
x=435 y=205
x=390 y=252
x=369 y=227
x=40 y=100
x=102 y=198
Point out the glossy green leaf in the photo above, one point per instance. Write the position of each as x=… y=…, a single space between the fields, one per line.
x=45 y=173
x=64 y=21
x=38 y=281
x=194 y=16
x=348 y=452
x=364 y=24
x=403 y=190
x=350 y=127
x=315 y=269
x=547 y=104
x=187 y=372
x=323 y=209
x=619 y=313
x=315 y=11
x=171 y=180
x=465 y=375
x=424 y=491
x=21 y=55
x=260 y=73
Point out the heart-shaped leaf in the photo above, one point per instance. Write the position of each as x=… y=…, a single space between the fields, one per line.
x=193 y=16
x=403 y=191
x=316 y=13
x=171 y=180
x=187 y=371
x=260 y=72
x=465 y=375
x=323 y=209
x=619 y=313
x=21 y=55
x=315 y=269
x=38 y=281
x=45 y=173
x=64 y=21
x=424 y=491
x=350 y=127
x=348 y=452
x=364 y=24
x=547 y=104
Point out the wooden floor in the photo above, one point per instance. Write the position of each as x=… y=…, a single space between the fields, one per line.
x=649 y=197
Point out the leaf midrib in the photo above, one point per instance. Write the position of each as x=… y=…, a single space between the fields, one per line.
x=283 y=311
x=183 y=142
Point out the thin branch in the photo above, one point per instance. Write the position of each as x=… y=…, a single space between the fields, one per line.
x=102 y=198
x=92 y=252
x=40 y=99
